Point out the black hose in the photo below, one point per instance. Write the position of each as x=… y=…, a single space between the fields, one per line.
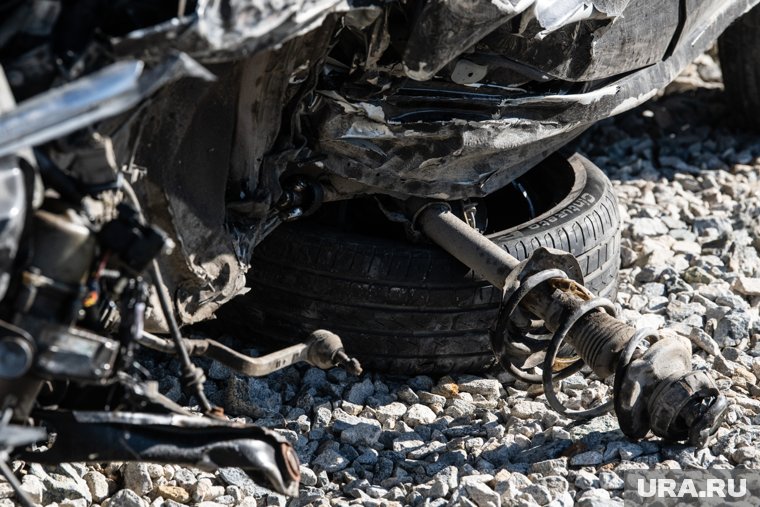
x=192 y=376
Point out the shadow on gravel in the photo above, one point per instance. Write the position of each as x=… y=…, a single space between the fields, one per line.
x=687 y=132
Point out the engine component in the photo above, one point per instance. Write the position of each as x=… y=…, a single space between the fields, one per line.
x=75 y=354
x=656 y=391
x=63 y=245
x=136 y=243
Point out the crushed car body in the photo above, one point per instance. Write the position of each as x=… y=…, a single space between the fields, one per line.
x=157 y=144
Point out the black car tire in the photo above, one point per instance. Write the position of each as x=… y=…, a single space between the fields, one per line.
x=739 y=53
x=412 y=308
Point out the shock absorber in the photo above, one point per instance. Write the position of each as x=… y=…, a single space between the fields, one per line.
x=655 y=388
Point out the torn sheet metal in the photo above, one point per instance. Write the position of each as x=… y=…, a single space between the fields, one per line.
x=224 y=30
x=593 y=49
x=446 y=29
x=554 y=14
x=461 y=158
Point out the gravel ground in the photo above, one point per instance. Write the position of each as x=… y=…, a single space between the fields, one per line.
x=689 y=192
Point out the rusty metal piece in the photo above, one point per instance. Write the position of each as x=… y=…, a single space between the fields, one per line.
x=324 y=349
x=548 y=303
x=291 y=462
x=656 y=391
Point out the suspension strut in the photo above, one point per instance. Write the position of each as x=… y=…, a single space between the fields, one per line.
x=655 y=388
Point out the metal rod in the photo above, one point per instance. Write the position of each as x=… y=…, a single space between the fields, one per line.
x=493 y=263
x=485 y=257
x=192 y=376
x=324 y=350
x=247 y=365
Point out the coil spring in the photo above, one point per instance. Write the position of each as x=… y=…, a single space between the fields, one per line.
x=589 y=344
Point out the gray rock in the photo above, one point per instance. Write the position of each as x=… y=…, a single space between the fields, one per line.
x=594 y=498
x=628 y=257
x=6 y=491
x=587 y=458
x=359 y=392
x=650 y=320
x=702 y=225
x=61 y=484
x=331 y=461
x=314 y=377
x=555 y=484
x=550 y=466
x=421 y=383
x=482 y=494
x=97 y=484
x=125 y=498
x=308 y=477
x=704 y=341
x=407 y=442
x=610 y=481
x=391 y=411
x=419 y=414
x=490 y=388
x=426 y=450
x=747 y=286
x=732 y=329
x=363 y=433
x=643 y=227
x=696 y=274
x=137 y=478
x=527 y=410
x=653 y=290
x=406 y=395
x=679 y=310
x=459 y=408
x=322 y=416
x=586 y=480
x=629 y=451
x=184 y=477
x=745 y=453
x=34 y=488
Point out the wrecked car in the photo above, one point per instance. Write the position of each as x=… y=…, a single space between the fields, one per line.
x=384 y=170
